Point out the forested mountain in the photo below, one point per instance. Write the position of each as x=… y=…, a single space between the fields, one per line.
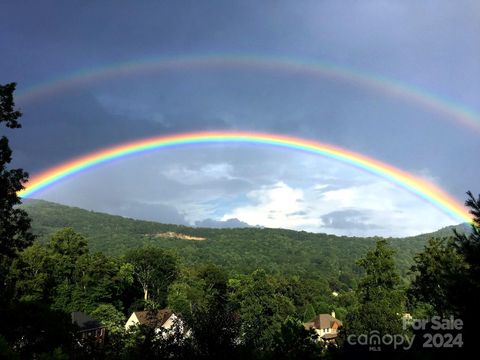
x=236 y=293
x=241 y=250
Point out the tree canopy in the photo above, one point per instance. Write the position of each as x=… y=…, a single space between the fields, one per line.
x=14 y=222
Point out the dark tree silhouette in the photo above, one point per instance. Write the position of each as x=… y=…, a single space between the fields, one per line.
x=437 y=270
x=14 y=222
x=469 y=286
x=469 y=245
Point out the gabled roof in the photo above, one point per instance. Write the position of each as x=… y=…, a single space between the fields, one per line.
x=150 y=318
x=84 y=321
x=322 y=321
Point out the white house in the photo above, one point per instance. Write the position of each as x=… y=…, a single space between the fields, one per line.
x=325 y=325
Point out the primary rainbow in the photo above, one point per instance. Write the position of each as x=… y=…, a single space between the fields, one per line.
x=451 y=109
x=415 y=185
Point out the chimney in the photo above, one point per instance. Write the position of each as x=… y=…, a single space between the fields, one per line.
x=333 y=313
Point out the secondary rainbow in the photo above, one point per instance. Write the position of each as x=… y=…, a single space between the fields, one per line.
x=451 y=109
x=427 y=191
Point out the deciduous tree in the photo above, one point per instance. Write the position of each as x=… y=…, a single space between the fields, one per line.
x=262 y=309
x=293 y=341
x=14 y=223
x=437 y=271
x=154 y=269
x=380 y=298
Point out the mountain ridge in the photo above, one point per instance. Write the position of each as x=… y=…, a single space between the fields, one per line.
x=242 y=250
x=235 y=223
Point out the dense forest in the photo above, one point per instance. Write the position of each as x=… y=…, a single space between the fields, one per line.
x=241 y=250
x=237 y=293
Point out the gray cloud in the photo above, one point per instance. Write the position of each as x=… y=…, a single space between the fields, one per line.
x=74 y=123
x=230 y=223
x=349 y=220
x=391 y=39
x=163 y=213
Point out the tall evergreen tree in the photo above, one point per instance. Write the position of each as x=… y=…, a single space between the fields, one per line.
x=448 y=277
x=469 y=245
x=469 y=286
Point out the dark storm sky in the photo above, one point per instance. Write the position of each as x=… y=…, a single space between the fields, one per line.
x=430 y=45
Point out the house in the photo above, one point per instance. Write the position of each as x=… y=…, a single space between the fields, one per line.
x=162 y=319
x=325 y=325
x=88 y=329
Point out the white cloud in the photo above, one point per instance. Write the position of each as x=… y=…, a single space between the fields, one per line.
x=205 y=173
x=272 y=207
x=380 y=208
x=268 y=188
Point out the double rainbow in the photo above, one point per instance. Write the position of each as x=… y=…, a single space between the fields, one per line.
x=425 y=190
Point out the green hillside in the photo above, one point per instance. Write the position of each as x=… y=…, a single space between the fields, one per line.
x=240 y=250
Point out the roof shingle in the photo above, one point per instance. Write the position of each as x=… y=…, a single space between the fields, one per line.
x=322 y=321
x=150 y=318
